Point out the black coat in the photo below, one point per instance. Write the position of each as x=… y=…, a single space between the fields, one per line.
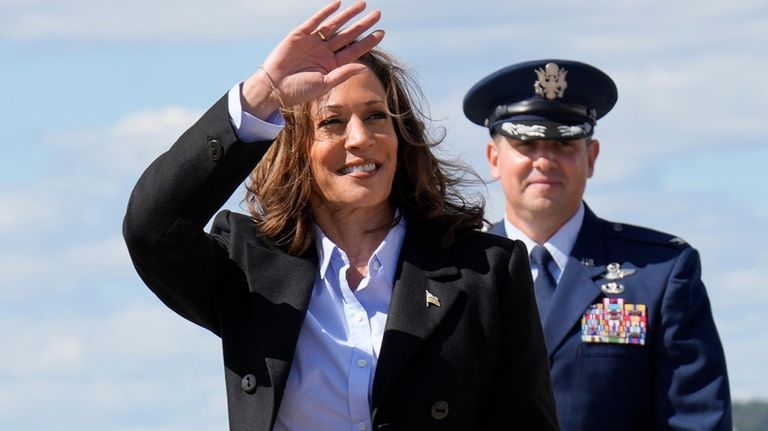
x=480 y=355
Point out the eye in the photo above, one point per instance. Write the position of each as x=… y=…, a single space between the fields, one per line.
x=378 y=115
x=329 y=122
x=522 y=145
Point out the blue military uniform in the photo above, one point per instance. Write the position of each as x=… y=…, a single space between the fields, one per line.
x=629 y=329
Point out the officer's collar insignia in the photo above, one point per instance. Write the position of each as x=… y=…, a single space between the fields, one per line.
x=551 y=82
x=588 y=261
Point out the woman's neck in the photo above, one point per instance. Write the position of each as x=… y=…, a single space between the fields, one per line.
x=356 y=232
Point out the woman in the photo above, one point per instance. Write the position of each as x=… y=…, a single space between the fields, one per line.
x=358 y=294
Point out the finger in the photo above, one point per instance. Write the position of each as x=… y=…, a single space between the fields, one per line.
x=353 y=51
x=311 y=24
x=333 y=25
x=342 y=73
x=349 y=34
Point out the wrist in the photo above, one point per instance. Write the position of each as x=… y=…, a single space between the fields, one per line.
x=258 y=96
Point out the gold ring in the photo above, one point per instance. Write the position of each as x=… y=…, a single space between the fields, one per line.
x=322 y=36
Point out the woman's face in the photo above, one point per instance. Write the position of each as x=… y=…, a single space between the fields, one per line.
x=354 y=153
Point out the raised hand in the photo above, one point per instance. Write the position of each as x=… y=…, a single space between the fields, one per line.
x=313 y=58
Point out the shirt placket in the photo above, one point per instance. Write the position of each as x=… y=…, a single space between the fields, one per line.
x=361 y=361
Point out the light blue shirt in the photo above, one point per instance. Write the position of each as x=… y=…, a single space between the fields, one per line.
x=558 y=245
x=331 y=378
x=247 y=127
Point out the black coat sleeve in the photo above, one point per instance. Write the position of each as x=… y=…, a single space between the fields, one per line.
x=170 y=205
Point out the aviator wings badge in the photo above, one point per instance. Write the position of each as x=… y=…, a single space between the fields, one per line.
x=614 y=272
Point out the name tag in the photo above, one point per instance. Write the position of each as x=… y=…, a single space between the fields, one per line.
x=613 y=321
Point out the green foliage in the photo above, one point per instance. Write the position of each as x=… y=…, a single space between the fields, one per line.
x=750 y=415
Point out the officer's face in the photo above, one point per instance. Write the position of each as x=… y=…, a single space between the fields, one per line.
x=543 y=181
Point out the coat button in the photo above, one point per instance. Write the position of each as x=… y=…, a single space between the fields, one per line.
x=215 y=150
x=440 y=410
x=249 y=383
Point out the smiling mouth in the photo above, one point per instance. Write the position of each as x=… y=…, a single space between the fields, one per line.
x=368 y=167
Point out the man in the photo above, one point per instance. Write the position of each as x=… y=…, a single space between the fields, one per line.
x=628 y=326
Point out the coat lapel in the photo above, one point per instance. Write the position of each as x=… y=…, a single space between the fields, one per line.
x=576 y=289
x=411 y=320
x=285 y=282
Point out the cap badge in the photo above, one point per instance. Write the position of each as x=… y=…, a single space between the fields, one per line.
x=551 y=84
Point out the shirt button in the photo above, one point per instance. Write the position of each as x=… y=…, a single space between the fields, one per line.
x=362 y=426
x=359 y=317
x=376 y=265
x=361 y=363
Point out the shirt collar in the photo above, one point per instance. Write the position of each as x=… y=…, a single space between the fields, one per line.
x=558 y=245
x=386 y=254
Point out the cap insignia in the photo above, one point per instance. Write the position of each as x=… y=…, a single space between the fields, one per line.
x=551 y=82
x=580 y=130
x=515 y=129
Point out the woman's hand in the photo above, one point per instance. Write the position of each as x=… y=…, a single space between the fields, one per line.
x=313 y=58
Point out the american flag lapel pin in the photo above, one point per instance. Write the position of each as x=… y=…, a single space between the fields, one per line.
x=432 y=299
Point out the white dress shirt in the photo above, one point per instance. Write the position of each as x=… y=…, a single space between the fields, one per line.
x=558 y=245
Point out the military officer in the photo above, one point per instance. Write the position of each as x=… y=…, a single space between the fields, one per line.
x=631 y=339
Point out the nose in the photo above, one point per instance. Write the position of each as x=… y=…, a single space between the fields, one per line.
x=545 y=158
x=357 y=135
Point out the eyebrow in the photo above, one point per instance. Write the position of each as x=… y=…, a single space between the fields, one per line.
x=338 y=106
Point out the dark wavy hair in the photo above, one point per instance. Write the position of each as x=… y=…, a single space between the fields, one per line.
x=426 y=189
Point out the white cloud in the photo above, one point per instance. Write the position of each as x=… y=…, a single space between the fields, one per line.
x=146 y=21
x=127 y=146
x=77 y=207
x=122 y=365
x=524 y=24
x=88 y=168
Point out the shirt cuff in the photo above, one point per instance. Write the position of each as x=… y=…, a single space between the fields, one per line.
x=247 y=127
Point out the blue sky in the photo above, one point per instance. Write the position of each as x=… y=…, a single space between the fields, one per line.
x=93 y=91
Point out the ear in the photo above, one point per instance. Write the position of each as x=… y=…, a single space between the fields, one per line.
x=492 y=153
x=593 y=149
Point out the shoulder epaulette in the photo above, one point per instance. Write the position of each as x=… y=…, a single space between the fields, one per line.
x=644 y=234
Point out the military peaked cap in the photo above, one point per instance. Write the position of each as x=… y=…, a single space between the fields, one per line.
x=543 y=99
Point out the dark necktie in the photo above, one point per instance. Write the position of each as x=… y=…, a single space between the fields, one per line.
x=544 y=286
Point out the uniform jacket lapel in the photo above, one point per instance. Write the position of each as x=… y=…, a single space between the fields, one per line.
x=576 y=289
x=411 y=320
x=499 y=229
